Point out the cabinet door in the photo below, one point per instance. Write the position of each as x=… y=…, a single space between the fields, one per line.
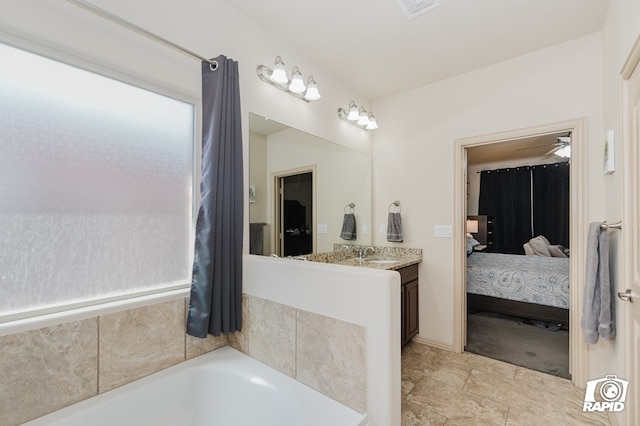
x=411 y=318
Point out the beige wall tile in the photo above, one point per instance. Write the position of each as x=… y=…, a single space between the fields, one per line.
x=197 y=346
x=238 y=340
x=44 y=370
x=331 y=358
x=272 y=337
x=139 y=342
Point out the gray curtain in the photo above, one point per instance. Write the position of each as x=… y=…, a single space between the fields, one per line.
x=215 y=305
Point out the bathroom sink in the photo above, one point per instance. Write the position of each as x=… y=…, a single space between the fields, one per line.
x=382 y=261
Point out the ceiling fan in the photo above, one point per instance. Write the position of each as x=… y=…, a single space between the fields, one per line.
x=561 y=147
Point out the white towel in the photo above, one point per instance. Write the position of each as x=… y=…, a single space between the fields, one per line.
x=598 y=316
x=394 y=228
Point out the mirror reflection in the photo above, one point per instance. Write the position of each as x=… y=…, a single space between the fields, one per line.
x=305 y=193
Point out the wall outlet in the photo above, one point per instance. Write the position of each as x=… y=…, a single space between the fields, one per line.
x=443 y=231
x=365 y=229
x=382 y=230
x=322 y=228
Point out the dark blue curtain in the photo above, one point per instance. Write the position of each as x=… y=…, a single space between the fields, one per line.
x=505 y=195
x=551 y=202
x=215 y=305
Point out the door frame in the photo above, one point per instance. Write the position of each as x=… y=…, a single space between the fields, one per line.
x=276 y=177
x=577 y=232
x=629 y=231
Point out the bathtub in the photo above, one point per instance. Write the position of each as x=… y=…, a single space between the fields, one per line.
x=221 y=388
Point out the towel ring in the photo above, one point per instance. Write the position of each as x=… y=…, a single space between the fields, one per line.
x=350 y=206
x=396 y=204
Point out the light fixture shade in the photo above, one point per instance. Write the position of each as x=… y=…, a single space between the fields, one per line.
x=279 y=74
x=363 y=118
x=472 y=226
x=312 y=93
x=297 y=83
x=353 y=112
x=373 y=124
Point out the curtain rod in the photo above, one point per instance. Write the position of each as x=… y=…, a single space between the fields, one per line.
x=517 y=167
x=213 y=64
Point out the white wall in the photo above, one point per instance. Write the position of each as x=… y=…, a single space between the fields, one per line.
x=413 y=152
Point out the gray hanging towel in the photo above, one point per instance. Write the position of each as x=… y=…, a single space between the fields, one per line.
x=256 y=238
x=348 y=227
x=394 y=228
x=599 y=316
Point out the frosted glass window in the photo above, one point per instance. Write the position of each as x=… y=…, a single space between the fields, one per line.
x=95 y=186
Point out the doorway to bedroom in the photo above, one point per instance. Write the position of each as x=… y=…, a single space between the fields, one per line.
x=518 y=252
x=516 y=208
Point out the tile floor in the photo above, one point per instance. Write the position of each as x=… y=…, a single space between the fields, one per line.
x=444 y=388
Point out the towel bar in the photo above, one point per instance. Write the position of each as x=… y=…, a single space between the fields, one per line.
x=616 y=225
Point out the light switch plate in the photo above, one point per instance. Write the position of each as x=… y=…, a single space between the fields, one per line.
x=322 y=228
x=443 y=231
x=382 y=230
x=365 y=229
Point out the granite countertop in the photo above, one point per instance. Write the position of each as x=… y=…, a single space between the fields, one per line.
x=344 y=254
x=366 y=262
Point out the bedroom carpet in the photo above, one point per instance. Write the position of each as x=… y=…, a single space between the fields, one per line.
x=517 y=341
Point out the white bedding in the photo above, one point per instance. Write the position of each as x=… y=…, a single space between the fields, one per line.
x=534 y=279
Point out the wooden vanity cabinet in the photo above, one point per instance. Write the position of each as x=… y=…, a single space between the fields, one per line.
x=409 y=303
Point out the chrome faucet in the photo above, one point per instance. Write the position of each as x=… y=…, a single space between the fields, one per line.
x=362 y=254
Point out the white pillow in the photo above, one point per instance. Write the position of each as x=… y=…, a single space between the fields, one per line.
x=539 y=246
x=471 y=243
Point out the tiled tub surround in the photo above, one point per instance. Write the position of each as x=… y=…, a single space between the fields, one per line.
x=350 y=299
x=323 y=353
x=49 y=368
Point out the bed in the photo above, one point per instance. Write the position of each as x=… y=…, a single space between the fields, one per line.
x=534 y=287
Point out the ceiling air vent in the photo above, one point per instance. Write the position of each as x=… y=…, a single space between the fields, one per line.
x=413 y=8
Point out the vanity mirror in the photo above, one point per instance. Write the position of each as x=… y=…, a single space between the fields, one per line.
x=301 y=187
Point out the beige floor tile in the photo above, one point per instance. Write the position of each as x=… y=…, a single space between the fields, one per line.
x=416 y=415
x=538 y=414
x=407 y=386
x=488 y=365
x=504 y=391
x=456 y=404
x=494 y=392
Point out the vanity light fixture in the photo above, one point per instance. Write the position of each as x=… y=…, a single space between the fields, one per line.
x=358 y=117
x=278 y=77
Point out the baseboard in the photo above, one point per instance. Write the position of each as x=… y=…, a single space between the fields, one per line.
x=422 y=340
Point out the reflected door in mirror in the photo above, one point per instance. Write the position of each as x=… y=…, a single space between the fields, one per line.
x=296 y=207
